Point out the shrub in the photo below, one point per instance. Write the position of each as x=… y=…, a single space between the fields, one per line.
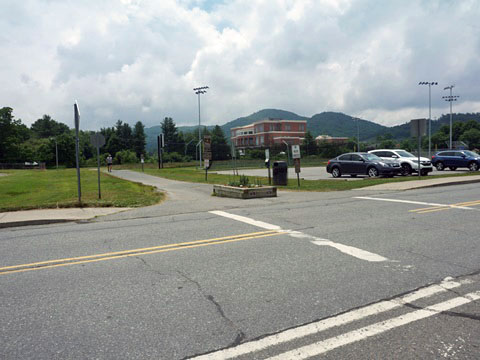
x=125 y=157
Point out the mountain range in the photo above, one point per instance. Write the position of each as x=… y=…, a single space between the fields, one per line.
x=326 y=123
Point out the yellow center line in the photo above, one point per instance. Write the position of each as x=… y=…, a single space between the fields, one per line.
x=428 y=211
x=445 y=207
x=135 y=252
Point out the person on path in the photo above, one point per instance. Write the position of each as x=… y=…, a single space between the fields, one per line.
x=109 y=162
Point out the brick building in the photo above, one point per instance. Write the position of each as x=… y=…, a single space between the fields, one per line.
x=269 y=132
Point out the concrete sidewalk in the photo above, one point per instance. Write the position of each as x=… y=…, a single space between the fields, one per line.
x=49 y=216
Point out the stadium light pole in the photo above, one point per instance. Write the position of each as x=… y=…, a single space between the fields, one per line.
x=199 y=91
x=450 y=98
x=429 y=113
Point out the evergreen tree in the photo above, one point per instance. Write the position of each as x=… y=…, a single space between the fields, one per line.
x=309 y=144
x=171 y=136
x=139 y=139
x=220 y=148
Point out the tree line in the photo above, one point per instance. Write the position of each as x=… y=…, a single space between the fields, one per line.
x=19 y=143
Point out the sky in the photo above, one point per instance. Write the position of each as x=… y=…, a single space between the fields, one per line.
x=139 y=60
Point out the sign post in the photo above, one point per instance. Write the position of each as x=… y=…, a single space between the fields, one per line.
x=98 y=140
x=142 y=161
x=267 y=164
x=207 y=153
x=296 y=161
x=418 y=128
x=76 y=112
x=160 y=145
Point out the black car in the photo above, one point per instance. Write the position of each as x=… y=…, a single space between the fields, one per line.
x=357 y=163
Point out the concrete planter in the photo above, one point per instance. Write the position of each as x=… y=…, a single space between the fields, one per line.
x=244 y=193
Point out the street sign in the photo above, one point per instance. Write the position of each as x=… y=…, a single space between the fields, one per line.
x=267 y=154
x=206 y=162
x=418 y=127
x=207 y=148
x=97 y=140
x=295 y=151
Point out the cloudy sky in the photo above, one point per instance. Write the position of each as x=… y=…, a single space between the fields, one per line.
x=140 y=59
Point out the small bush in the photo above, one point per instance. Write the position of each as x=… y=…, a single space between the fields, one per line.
x=125 y=157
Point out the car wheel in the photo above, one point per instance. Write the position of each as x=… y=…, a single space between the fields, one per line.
x=406 y=169
x=353 y=175
x=453 y=168
x=423 y=172
x=336 y=172
x=372 y=172
x=440 y=166
x=473 y=166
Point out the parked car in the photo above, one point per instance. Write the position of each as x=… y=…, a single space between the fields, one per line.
x=454 y=159
x=408 y=161
x=357 y=163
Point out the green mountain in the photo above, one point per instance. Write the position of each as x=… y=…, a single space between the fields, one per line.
x=341 y=125
x=326 y=123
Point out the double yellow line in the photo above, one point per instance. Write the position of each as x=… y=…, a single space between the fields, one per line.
x=134 y=252
x=445 y=207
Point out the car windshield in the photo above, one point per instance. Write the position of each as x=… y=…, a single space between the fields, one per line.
x=404 y=153
x=371 y=157
x=470 y=153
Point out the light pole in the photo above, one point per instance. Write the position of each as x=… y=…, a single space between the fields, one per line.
x=358 y=136
x=186 y=146
x=429 y=112
x=198 y=91
x=288 y=152
x=56 y=151
x=450 y=99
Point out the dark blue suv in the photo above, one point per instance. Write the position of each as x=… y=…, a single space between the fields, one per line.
x=454 y=159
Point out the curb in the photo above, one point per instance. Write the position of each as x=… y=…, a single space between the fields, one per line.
x=421 y=186
x=34 y=222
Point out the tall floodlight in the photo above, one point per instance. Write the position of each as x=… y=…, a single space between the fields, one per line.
x=198 y=91
x=358 y=136
x=450 y=99
x=429 y=113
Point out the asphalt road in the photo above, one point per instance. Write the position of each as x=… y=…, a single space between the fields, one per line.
x=320 y=173
x=351 y=275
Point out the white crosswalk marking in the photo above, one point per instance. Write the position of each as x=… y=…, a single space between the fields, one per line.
x=343 y=319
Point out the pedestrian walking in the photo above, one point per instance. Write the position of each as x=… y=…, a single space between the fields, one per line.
x=109 y=162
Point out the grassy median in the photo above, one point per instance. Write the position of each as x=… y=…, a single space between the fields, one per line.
x=38 y=189
x=191 y=174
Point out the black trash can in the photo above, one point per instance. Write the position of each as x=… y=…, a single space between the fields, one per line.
x=280 y=173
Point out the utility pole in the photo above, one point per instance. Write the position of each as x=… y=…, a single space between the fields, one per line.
x=429 y=113
x=358 y=136
x=450 y=99
x=198 y=91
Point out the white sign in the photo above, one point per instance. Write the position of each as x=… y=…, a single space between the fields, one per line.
x=295 y=151
x=267 y=154
x=206 y=162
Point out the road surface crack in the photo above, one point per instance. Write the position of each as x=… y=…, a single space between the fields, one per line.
x=240 y=334
x=448 y=313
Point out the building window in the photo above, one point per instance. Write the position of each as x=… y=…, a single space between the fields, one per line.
x=260 y=128
x=278 y=127
x=288 y=127
x=302 y=127
x=261 y=140
x=266 y=127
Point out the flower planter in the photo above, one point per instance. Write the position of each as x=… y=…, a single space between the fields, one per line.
x=244 y=193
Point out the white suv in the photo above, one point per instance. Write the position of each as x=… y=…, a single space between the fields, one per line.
x=409 y=162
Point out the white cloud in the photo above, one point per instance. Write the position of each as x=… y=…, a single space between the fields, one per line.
x=139 y=60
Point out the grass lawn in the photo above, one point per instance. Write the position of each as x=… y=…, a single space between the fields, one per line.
x=34 y=189
x=191 y=174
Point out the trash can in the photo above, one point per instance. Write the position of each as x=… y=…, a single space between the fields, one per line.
x=280 y=173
